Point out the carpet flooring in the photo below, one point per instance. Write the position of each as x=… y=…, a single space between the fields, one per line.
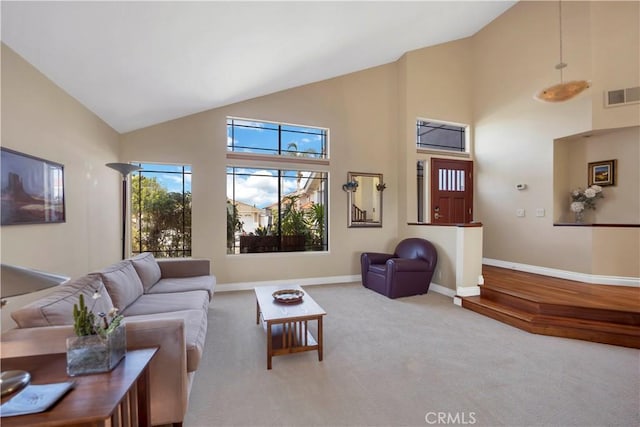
x=414 y=361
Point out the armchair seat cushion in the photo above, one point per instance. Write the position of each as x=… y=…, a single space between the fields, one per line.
x=408 y=271
x=378 y=268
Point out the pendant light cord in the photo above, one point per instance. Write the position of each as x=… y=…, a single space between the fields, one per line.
x=561 y=65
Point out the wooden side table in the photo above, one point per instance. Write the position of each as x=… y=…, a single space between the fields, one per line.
x=116 y=398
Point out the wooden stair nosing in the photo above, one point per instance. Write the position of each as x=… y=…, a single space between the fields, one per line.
x=509 y=299
x=588 y=330
x=521 y=302
x=511 y=316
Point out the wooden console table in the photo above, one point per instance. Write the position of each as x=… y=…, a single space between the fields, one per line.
x=116 y=398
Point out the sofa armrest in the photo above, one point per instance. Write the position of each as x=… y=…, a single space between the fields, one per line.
x=168 y=369
x=183 y=267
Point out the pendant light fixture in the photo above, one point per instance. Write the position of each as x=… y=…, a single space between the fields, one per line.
x=564 y=90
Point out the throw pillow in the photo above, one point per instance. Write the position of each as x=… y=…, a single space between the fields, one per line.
x=122 y=283
x=147 y=268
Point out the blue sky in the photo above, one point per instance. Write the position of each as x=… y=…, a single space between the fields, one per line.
x=171 y=181
x=259 y=187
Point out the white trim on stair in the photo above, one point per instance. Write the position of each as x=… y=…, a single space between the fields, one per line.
x=564 y=274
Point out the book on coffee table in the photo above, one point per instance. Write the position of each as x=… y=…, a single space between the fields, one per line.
x=35 y=398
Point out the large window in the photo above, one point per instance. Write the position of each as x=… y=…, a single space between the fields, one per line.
x=279 y=206
x=161 y=210
x=441 y=136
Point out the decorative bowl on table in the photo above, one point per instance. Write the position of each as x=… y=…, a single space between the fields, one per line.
x=288 y=296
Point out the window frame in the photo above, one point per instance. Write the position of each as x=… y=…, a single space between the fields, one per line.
x=280 y=163
x=324 y=156
x=443 y=151
x=184 y=252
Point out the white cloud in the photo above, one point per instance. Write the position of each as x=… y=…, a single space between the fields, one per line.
x=260 y=188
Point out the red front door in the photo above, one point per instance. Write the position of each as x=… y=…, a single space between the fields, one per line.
x=451 y=191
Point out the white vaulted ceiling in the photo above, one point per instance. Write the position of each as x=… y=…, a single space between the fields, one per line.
x=135 y=64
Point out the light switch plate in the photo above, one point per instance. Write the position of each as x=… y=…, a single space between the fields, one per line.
x=520 y=212
x=540 y=212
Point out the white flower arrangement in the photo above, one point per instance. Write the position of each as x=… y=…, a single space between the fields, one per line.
x=585 y=199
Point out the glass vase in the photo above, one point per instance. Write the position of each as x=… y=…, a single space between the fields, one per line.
x=580 y=217
x=92 y=354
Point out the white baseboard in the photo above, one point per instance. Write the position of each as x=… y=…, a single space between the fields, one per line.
x=442 y=290
x=468 y=291
x=311 y=281
x=564 y=274
x=245 y=286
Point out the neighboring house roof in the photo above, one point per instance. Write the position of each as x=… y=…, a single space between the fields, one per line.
x=244 y=207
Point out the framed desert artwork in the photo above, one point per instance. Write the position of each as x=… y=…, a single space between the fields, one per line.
x=32 y=189
x=602 y=173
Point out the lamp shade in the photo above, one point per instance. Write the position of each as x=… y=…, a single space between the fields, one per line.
x=124 y=168
x=563 y=91
x=19 y=280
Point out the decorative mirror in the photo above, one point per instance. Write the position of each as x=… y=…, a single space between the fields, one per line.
x=364 y=192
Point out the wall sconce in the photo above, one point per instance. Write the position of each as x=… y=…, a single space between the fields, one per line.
x=350 y=186
x=381 y=187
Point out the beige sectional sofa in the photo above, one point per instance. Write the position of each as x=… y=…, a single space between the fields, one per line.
x=164 y=302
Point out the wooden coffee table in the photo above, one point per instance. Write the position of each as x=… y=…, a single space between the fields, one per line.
x=287 y=325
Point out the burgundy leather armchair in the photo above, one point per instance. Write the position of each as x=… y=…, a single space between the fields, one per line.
x=408 y=271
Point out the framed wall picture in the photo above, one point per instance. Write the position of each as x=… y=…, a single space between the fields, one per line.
x=32 y=189
x=602 y=173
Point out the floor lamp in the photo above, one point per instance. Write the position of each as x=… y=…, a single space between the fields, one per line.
x=125 y=169
x=16 y=281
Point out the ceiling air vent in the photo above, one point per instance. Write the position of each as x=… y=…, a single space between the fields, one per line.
x=616 y=97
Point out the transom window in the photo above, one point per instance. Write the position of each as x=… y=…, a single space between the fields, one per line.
x=252 y=136
x=440 y=136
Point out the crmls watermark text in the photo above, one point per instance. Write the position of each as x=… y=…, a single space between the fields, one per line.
x=464 y=418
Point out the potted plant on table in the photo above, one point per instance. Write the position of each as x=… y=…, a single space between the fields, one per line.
x=100 y=341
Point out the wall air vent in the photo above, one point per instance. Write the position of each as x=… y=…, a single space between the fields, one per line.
x=617 y=97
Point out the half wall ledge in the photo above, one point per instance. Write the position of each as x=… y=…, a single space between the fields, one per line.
x=459 y=253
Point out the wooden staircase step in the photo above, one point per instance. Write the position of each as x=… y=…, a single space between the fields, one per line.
x=564 y=308
x=588 y=330
x=510 y=315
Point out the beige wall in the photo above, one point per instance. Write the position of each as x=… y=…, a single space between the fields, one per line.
x=436 y=85
x=487 y=80
x=514 y=133
x=359 y=110
x=39 y=119
x=621 y=203
x=616 y=55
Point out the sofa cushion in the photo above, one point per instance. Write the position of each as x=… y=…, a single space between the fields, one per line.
x=147 y=268
x=122 y=283
x=166 y=303
x=195 y=327
x=57 y=308
x=182 y=284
